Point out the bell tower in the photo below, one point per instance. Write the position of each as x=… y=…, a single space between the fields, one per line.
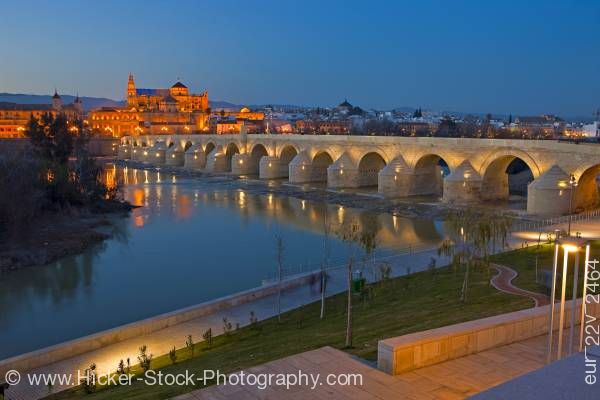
x=131 y=93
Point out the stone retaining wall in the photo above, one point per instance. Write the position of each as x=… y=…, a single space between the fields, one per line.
x=420 y=349
x=48 y=355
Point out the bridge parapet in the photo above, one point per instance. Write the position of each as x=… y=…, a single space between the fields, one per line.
x=399 y=166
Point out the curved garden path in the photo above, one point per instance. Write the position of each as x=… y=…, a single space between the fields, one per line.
x=503 y=282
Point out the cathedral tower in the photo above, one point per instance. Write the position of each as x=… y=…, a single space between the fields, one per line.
x=131 y=93
x=56 y=101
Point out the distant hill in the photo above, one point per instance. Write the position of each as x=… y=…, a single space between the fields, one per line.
x=218 y=105
x=88 y=102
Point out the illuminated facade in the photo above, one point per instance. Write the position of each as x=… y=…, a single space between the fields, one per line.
x=166 y=111
x=14 y=117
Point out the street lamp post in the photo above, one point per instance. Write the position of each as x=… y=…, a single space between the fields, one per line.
x=573 y=185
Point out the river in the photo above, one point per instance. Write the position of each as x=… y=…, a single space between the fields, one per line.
x=192 y=240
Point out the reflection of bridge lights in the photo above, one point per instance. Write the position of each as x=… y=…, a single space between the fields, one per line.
x=241 y=162
x=341 y=172
x=174 y=179
x=395 y=222
x=146 y=177
x=303 y=202
x=157 y=154
x=157 y=177
x=145 y=153
x=341 y=214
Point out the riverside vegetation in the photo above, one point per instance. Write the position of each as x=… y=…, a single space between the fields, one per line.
x=391 y=307
x=52 y=195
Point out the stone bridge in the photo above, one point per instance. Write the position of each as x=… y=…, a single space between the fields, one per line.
x=459 y=170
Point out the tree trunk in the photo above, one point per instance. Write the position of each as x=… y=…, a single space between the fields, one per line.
x=349 y=311
x=323 y=281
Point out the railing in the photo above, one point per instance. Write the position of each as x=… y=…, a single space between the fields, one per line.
x=341 y=262
x=538 y=225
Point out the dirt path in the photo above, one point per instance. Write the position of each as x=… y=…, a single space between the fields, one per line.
x=503 y=282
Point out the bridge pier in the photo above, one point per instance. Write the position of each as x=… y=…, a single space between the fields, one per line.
x=124 y=152
x=195 y=158
x=463 y=185
x=242 y=164
x=217 y=162
x=396 y=179
x=156 y=154
x=175 y=156
x=343 y=173
x=137 y=153
x=550 y=193
x=271 y=167
x=303 y=170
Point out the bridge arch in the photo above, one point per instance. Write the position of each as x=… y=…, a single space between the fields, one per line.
x=187 y=145
x=258 y=151
x=587 y=193
x=429 y=173
x=320 y=162
x=369 y=167
x=209 y=147
x=230 y=150
x=287 y=153
x=506 y=174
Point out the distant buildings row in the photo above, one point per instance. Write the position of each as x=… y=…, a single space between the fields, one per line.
x=177 y=111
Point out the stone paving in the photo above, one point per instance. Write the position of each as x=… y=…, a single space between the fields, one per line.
x=456 y=379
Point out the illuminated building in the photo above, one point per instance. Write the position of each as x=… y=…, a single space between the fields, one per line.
x=167 y=111
x=14 y=117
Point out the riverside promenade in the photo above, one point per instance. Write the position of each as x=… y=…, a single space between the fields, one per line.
x=160 y=342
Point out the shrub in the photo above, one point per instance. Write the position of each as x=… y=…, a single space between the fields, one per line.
x=144 y=358
x=121 y=368
x=173 y=355
x=189 y=343
x=207 y=336
x=89 y=379
x=227 y=327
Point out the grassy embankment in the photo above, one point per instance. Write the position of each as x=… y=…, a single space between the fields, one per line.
x=398 y=306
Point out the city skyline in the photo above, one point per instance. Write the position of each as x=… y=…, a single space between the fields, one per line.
x=416 y=55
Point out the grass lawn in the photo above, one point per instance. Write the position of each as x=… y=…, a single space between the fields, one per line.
x=524 y=260
x=398 y=306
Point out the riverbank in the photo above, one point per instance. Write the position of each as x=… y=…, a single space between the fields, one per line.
x=57 y=235
x=428 y=207
x=394 y=307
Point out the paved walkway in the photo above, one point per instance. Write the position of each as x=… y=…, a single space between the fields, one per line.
x=160 y=342
x=503 y=282
x=455 y=379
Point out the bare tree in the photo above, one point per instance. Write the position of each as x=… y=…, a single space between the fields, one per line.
x=473 y=235
x=325 y=263
x=279 y=250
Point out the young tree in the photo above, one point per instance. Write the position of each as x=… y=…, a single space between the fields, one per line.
x=325 y=263
x=473 y=238
x=279 y=254
x=352 y=235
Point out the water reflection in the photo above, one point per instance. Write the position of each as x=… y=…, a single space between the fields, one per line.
x=191 y=241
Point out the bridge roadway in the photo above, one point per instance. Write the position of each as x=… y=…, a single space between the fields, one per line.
x=398 y=166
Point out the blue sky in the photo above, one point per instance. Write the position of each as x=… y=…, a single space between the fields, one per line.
x=480 y=56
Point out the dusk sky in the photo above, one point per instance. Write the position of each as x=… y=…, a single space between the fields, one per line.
x=473 y=56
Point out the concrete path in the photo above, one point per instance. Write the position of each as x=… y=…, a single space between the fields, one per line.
x=455 y=379
x=160 y=342
x=503 y=282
